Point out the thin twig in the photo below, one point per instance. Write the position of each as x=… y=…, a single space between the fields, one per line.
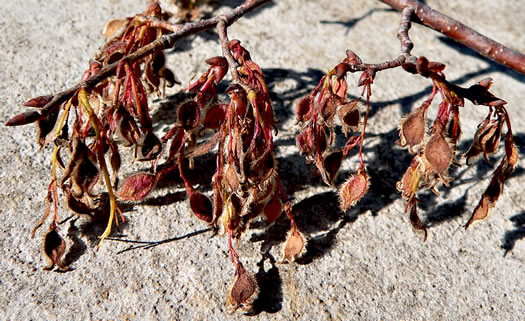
x=459 y=32
x=406 y=46
x=223 y=37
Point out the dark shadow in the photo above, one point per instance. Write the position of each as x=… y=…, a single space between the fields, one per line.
x=270 y=296
x=352 y=22
x=78 y=247
x=511 y=237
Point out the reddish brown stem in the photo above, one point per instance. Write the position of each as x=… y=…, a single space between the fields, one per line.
x=223 y=37
x=459 y=32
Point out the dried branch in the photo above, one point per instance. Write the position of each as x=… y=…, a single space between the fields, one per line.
x=459 y=32
x=223 y=38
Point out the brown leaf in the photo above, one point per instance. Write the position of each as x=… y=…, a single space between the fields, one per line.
x=54 y=248
x=481 y=211
x=412 y=128
x=243 y=290
x=305 y=142
x=295 y=245
x=201 y=205
x=331 y=165
x=150 y=146
x=409 y=184
x=438 y=153
x=113 y=26
x=353 y=189
x=136 y=187
x=45 y=125
x=416 y=221
x=215 y=116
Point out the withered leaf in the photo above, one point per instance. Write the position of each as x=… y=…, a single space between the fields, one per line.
x=273 y=209
x=305 y=142
x=243 y=290
x=438 y=153
x=349 y=116
x=305 y=109
x=353 y=189
x=416 y=221
x=331 y=165
x=295 y=245
x=136 y=187
x=215 y=116
x=188 y=115
x=113 y=26
x=45 y=125
x=54 y=248
x=201 y=205
x=150 y=146
x=412 y=129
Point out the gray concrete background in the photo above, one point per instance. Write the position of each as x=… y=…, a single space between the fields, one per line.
x=366 y=264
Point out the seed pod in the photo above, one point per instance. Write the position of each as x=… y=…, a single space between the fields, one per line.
x=136 y=187
x=295 y=245
x=243 y=291
x=353 y=189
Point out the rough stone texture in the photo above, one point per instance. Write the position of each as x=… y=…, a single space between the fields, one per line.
x=365 y=264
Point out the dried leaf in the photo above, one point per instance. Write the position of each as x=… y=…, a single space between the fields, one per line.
x=54 y=248
x=416 y=221
x=215 y=116
x=136 y=187
x=201 y=205
x=273 y=209
x=295 y=245
x=412 y=129
x=243 y=291
x=305 y=142
x=349 y=116
x=188 y=115
x=438 y=153
x=331 y=165
x=305 y=109
x=353 y=189
x=113 y=26
x=150 y=146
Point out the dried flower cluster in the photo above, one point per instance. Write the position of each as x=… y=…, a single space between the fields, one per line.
x=90 y=123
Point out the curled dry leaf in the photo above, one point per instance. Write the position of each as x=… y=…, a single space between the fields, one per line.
x=416 y=222
x=136 y=187
x=243 y=291
x=113 y=26
x=54 y=248
x=349 y=116
x=353 y=189
x=295 y=245
x=331 y=165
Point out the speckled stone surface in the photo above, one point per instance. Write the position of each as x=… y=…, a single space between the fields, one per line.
x=366 y=264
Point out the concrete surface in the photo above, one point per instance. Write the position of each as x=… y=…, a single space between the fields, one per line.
x=367 y=264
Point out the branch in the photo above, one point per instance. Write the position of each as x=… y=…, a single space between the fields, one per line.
x=164 y=42
x=466 y=36
x=223 y=37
